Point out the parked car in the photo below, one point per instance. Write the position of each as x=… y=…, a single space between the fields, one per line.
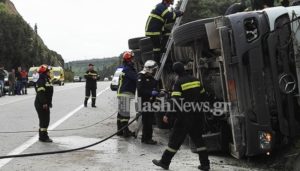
x=115 y=80
x=77 y=78
x=6 y=85
x=30 y=72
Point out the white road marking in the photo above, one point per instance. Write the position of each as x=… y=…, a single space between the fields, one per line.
x=34 y=139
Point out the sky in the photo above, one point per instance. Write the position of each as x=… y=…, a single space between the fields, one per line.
x=86 y=29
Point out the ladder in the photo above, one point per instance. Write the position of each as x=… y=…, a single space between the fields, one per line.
x=170 y=42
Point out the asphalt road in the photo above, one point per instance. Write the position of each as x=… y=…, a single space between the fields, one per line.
x=17 y=113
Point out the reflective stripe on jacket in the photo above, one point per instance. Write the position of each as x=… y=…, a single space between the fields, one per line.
x=127 y=81
x=188 y=87
x=159 y=16
x=44 y=90
x=91 y=79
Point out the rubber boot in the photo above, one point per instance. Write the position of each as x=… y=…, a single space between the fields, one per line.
x=85 y=102
x=43 y=137
x=119 y=126
x=127 y=133
x=203 y=157
x=94 y=102
x=165 y=160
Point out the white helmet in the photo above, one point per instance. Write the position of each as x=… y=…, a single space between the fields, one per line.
x=150 y=66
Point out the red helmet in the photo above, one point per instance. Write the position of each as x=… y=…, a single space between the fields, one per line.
x=43 y=68
x=127 y=56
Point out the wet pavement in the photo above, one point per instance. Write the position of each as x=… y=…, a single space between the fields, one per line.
x=117 y=153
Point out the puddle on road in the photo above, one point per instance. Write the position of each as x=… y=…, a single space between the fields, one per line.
x=131 y=153
x=111 y=146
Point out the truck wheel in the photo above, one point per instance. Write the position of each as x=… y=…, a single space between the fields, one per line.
x=134 y=43
x=147 y=56
x=137 y=56
x=189 y=32
x=146 y=44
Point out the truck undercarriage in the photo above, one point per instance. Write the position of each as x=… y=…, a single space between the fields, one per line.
x=251 y=61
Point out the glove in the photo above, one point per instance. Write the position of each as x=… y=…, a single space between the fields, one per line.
x=154 y=93
x=179 y=13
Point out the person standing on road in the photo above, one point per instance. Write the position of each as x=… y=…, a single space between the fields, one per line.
x=190 y=90
x=2 y=76
x=155 y=26
x=147 y=91
x=126 y=92
x=43 y=102
x=91 y=85
x=12 y=82
x=24 y=76
x=35 y=77
x=19 y=80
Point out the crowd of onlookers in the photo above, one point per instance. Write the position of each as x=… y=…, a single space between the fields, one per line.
x=16 y=80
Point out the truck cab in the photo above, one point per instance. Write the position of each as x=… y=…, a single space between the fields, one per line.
x=249 y=60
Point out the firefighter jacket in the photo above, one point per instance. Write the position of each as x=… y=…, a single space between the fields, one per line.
x=188 y=89
x=145 y=85
x=91 y=79
x=127 y=81
x=159 y=16
x=44 y=90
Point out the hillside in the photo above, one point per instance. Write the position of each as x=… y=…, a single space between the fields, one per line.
x=20 y=44
x=105 y=66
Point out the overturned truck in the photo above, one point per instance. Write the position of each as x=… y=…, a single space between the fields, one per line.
x=250 y=60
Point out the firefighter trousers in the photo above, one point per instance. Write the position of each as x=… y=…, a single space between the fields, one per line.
x=44 y=116
x=88 y=91
x=123 y=114
x=147 y=120
x=187 y=125
x=156 y=41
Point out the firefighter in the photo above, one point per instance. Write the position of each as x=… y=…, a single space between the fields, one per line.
x=43 y=102
x=190 y=90
x=91 y=85
x=147 y=91
x=158 y=18
x=126 y=92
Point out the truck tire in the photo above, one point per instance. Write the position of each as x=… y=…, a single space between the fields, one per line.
x=134 y=43
x=137 y=55
x=147 y=56
x=189 y=32
x=146 y=45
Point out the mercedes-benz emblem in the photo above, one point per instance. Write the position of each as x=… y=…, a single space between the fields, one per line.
x=287 y=83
